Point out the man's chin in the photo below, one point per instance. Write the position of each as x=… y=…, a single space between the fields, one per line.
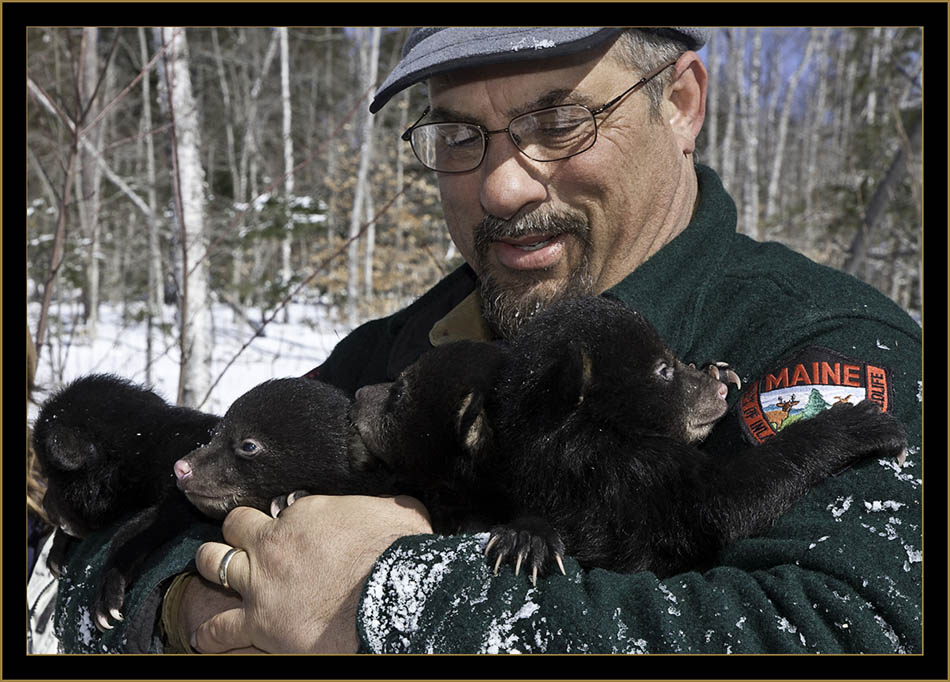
x=511 y=298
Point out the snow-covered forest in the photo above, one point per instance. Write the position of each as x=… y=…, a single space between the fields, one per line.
x=211 y=207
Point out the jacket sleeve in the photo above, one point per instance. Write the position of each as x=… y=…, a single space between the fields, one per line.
x=840 y=572
x=138 y=632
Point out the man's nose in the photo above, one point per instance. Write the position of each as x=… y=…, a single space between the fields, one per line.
x=510 y=180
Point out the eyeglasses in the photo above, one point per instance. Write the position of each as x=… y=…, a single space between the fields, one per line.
x=549 y=134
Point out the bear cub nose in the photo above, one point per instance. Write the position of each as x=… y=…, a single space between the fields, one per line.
x=182 y=470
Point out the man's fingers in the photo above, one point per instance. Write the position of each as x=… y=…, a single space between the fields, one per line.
x=225 y=631
x=243 y=525
x=209 y=557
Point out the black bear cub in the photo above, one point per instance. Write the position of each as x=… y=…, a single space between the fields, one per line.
x=586 y=437
x=282 y=436
x=107 y=447
x=113 y=451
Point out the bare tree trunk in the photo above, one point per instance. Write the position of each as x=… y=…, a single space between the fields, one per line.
x=331 y=145
x=751 y=225
x=734 y=80
x=847 y=74
x=815 y=129
x=370 y=47
x=90 y=175
x=188 y=181
x=778 y=152
x=870 y=109
x=237 y=253
x=153 y=299
x=286 y=272
x=228 y=113
x=250 y=152
x=369 y=253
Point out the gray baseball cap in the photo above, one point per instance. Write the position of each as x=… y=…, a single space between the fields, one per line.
x=432 y=51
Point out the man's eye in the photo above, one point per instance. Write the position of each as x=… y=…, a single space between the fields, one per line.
x=559 y=131
x=462 y=140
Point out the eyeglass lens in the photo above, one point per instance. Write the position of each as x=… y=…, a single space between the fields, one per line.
x=546 y=135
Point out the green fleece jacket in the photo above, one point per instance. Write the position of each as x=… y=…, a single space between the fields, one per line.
x=840 y=572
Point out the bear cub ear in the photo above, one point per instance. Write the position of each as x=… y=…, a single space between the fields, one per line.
x=68 y=450
x=475 y=434
x=571 y=373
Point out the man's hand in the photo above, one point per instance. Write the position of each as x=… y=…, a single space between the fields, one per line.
x=301 y=574
x=202 y=600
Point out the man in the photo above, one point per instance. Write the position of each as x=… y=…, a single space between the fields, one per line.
x=609 y=202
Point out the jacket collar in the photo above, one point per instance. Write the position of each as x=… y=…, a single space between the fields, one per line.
x=463 y=322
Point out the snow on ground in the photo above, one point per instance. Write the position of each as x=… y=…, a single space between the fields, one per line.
x=286 y=349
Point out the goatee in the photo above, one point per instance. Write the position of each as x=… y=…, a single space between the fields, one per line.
x=508 y=304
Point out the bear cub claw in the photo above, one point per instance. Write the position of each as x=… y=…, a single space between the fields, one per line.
x=528 y=541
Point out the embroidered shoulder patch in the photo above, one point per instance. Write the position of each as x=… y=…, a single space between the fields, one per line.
x=811 y=382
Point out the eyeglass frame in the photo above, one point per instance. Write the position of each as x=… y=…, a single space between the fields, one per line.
x=486 y=133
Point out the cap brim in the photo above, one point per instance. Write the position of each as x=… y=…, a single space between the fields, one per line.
x=454 y=48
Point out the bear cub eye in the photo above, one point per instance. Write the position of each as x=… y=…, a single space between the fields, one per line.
x=248 y=448
x=398 y=392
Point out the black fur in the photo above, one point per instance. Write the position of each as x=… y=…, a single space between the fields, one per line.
x=580 y=439
x=429 y=428
x=107 y=447
x=111 y=451
x=590 y=445
x=281 y=436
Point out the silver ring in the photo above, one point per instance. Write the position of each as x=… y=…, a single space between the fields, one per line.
x=223 y=566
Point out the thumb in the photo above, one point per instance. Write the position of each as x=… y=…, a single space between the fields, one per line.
x=222 y=632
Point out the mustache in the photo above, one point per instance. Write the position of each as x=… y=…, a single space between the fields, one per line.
x=491 y=228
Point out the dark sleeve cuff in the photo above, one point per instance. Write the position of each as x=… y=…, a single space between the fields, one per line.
x=139 y=631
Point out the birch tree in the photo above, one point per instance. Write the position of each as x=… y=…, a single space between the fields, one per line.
x=733 y=84
x=816 y=126
x=154 y=298
x=286 y=273
x=370 y=45
x=250 y=151
x=188 y=183
x=751 y=224
x=847 y=74
x=331 y=147
x=90 y=175
x=877 y=47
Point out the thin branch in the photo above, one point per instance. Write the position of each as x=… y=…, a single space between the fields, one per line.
x=56 y=259
x=119 y=97
x=99 y=81
x=89 y=147
x=316 y=271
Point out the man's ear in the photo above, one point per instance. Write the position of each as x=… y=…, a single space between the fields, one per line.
x=687 y=100
x=475 y=433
